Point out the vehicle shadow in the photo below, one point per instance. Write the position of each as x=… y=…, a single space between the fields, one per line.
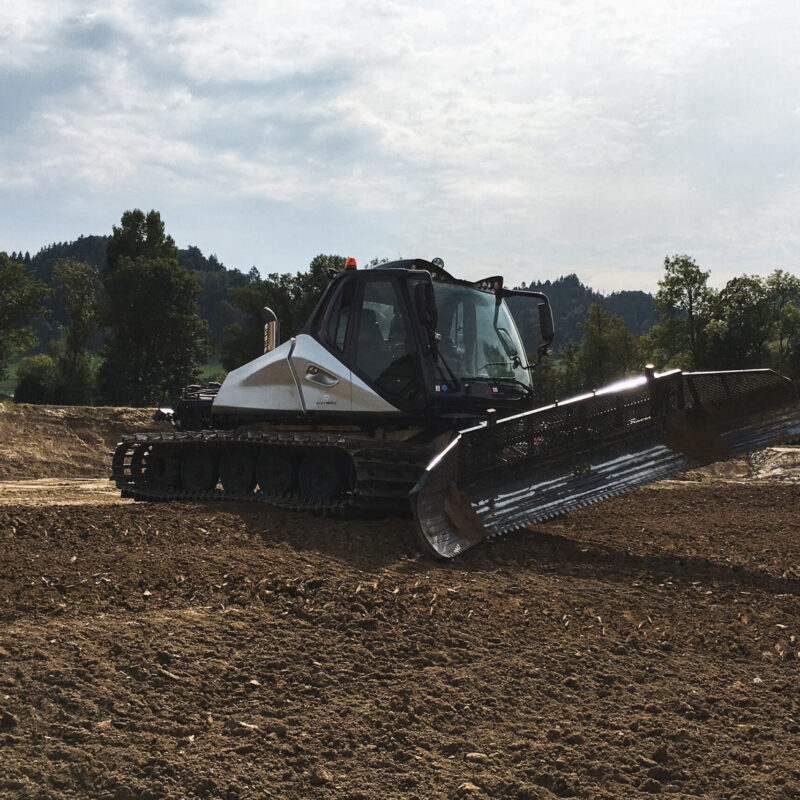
x=367 y=543
x=390 y=543
x=541 y=551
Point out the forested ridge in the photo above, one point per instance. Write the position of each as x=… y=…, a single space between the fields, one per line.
x=129 y=318
x=569 y=297
x=214 y=278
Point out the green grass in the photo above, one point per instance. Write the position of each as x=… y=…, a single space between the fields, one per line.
x=212 y=369
x=9 y=383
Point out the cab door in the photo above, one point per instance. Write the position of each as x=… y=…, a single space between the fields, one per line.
x=384 y=348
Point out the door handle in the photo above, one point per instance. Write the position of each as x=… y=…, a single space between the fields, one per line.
x=315 y=374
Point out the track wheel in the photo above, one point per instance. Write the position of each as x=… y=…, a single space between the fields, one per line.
x=200 y=470
x=321 y=476
x=238 y=471
x=138 y=463
x=275 y=470
x=161 y=468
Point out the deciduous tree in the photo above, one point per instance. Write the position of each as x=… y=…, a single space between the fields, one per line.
x=36 y=380
x=683 y=295
x=608 y=349
x=783 y=289
x=20 y=299
x=156 y=338
x=140 y=235
x=741 y=325
x=78 y=285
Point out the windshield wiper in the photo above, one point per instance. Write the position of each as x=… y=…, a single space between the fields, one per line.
x=443 y=360
x=487 y=379
x=516 y=362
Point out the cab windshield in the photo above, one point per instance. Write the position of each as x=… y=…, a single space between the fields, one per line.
x=478 y=336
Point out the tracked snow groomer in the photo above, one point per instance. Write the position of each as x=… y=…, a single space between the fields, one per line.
x=409 y=384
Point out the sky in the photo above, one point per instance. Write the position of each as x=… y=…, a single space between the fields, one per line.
x=528 y=139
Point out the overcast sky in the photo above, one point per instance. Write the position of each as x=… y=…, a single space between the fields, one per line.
x=533 y=139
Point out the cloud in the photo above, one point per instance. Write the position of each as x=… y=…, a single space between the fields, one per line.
x=583 y=136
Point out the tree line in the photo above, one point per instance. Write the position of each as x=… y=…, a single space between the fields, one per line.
x=751 y=322
x=129 y=319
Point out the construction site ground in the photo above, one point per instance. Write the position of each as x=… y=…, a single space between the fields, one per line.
x=646 y=645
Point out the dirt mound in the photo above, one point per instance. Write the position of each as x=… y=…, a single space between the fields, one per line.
x=64 y=442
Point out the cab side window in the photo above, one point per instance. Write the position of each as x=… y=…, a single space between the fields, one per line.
x=384 y=348
x=338 y=319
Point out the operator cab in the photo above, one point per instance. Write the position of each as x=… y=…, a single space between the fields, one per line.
x=427 y=342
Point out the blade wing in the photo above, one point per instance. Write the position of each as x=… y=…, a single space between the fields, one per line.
x=495 y=478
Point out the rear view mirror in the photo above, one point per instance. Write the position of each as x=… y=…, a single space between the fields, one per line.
x=546 y=326
x=546 y=322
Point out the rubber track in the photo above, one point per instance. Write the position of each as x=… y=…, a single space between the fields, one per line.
x=385 y=472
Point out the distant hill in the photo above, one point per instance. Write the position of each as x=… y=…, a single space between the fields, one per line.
x=570 y=300
x=91 y=249
x=214 y=278
x=635 y=308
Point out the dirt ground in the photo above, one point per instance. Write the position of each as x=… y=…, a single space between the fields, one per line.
x=647 y=645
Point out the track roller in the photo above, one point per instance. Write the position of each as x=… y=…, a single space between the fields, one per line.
x=200 y=470
x=238 y=471
x=324 y=474
x=276 y=471
x=161 y=468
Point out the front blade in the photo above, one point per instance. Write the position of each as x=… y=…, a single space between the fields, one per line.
x=495 y=478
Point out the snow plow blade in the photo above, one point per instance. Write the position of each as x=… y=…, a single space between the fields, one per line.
x=495 y=478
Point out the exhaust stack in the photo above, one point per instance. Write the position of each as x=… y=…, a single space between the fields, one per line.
x=272 y=330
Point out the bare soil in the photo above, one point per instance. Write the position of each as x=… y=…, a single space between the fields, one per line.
x=647 y=645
